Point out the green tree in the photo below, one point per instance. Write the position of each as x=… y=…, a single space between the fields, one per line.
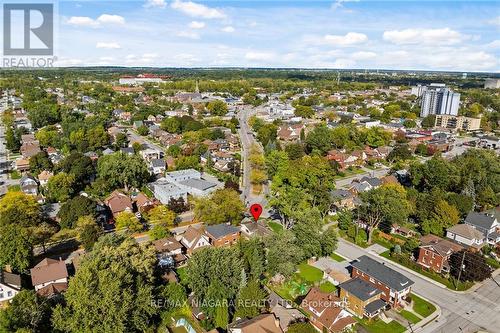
x=128 y=220
x=27 y=312
x=75 y=208
x=39 y=163
x=115 y=280
x=88 y=231
x=283 y=254
x=217 y=108
x=304 y=111
x=15 y=248
x=328 y=241
x=143 y=130
x=384 y=206
x=429 y=121
x=61 y=187
x=250 y=300
x=222 y=206
x=20 y=209
x=122 y=170
x=171 y=125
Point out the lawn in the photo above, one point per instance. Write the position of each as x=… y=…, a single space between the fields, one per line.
x=411 y=317
x=421 y=306
x=276 y=227
x=14 y=174
x=14 y=188
x=493 y=263
x=310 y=273
x=337 y=257
x=378 y=326
x=327 y=287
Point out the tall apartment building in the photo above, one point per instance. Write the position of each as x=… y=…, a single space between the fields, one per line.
x=437 y=99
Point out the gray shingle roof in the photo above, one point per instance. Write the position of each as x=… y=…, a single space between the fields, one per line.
x=360 y=288
x=220 y=230
x=382 y=273
x=375 y=305
x=484 y=221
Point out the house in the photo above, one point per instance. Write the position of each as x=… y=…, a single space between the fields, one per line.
x=326 y=312
x=10 y=285
x=194 y=239
x=158 y=166
x=127 y=151
x=395 y=286
x=44 y=176
x=434 y=253
x=345 y=160
x=143 y=203
x=49 y=277
x=485 y=223
x=467 y=235
x=164 y=190
x=22 y=164
x=30 y=149
x=344 y=199
x=29 y=185
x=264 y=323
x=361 y=298
x=402 y=231
x=286 y=316
x=222 y=234
x=170 y=251
x=118 y=202
x=290 y=132
x=250 y=228
x=151 y=154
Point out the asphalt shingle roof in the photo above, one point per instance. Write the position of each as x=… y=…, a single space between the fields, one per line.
x=382 y=273
x=220 y=230
x=360 y=288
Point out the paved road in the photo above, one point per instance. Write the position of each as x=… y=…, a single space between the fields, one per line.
x=134 y=137
x=368 y=173
x=247 y=140
x=461 y=312
x=3 y=156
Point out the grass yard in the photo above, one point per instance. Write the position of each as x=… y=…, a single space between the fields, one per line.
x=14 y=188
x=493 y=263
x=327 y=287
x=378 y=326
x=276 y=227
x=14 y=174
x=337 y=257
x=411 y=317
x=421 y=306
x=310 y=273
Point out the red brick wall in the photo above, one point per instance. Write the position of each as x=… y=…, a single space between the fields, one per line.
x=385 y=290
x=427 y=260
x=226 y=241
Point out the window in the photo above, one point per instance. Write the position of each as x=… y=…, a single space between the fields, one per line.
x=1 y=295
x=9 y=293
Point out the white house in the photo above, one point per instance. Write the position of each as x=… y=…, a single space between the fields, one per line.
x=485 y=223
x=49 y=273
x=10 y=285
x=194 y=239
x=466 y=234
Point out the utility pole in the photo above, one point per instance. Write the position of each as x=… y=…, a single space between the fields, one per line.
x=411 y=328
x=461 y=267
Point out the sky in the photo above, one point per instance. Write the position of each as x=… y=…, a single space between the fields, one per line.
x=411 y=35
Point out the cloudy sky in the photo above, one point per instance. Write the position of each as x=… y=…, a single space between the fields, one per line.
x=448 y=35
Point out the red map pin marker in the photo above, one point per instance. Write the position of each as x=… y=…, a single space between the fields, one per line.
x=255 y=210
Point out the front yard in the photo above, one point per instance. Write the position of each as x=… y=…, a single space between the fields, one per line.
x=422 y=307
x=379 y=326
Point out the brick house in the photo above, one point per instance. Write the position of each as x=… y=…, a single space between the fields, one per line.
x=222 y=234
x=434 y=253
x=361 y=298
x=326 y=312
x=394 y=285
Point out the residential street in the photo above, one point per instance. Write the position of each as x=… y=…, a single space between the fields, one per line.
x=247 y=140
x=368 y=173
x=461 y=312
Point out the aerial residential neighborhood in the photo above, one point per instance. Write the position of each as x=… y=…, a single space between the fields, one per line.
x=250 y=167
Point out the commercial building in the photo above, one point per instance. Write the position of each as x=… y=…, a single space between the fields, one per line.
x=457 y=123
x=437 y=99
